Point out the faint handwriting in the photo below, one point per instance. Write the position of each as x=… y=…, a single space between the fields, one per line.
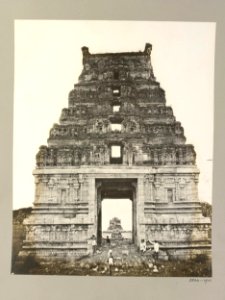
x=205 y=280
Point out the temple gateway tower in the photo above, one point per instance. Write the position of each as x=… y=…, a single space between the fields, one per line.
x=117 y=139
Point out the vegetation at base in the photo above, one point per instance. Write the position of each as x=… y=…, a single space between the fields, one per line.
x=20 y=214
x=18 y=231
x=26 y=265
x=200 y=266
x=206 y=209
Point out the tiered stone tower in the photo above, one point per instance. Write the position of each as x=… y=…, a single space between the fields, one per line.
x=117 y=139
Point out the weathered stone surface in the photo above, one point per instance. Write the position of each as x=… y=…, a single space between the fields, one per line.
x=153 y=166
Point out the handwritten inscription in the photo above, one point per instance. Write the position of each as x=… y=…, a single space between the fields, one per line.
x=205 y=280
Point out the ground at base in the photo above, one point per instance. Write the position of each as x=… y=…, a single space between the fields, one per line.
x=127 y=261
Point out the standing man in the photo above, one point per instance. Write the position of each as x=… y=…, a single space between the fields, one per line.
x=108 y=240
x=156 y=249
x=94 y=243
x=110 y=261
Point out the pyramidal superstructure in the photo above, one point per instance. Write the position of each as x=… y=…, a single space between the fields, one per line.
x=116 y=139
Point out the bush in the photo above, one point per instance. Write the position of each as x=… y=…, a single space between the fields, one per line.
x=206 y=209
x=29 y=263
x=201 y=258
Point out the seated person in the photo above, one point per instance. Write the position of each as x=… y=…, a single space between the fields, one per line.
x=143 y=246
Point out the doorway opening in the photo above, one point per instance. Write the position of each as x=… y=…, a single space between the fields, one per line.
x=116 y=108
x=116 y=91
x=116 y=154
x=117 y=220
x=116 y=211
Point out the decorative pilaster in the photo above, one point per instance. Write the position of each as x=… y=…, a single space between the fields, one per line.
x=195 y=179
x=81 y=182
x=157 y=185
x=148 y=181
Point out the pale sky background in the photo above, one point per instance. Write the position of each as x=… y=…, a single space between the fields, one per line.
x=120 y=208
x=48 y=61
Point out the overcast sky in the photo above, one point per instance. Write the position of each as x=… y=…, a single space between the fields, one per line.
x=48 y=62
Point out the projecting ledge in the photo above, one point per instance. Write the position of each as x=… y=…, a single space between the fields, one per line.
x=115 y=169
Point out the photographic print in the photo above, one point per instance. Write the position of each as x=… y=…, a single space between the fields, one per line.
x=113 y=139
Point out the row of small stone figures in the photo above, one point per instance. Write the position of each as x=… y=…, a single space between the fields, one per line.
x=125 y=105
x=164 y=129
x=179 y=156
x=125 y=90
x=66 y=131
x=49 y=232
x=162 y=109
x=69 y=157
x=51 y=157
x=110 y=75
x=99 y=127
x=46 y=157
x=103 y=126
x=78 y=110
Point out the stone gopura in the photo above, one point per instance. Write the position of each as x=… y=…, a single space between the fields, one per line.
x=117 y=139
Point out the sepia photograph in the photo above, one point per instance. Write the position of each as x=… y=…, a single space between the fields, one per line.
x=113 y=148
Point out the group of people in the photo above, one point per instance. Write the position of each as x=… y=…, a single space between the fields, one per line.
x=143 y=247
x=94 y=242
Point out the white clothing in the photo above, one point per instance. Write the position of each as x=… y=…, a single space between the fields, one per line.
x=94 y=243
x=109 y=253
x=156 y=247
x=143 y=246
x=110 y=261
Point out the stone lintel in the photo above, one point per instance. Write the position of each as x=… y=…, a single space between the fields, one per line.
x=176 y=170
